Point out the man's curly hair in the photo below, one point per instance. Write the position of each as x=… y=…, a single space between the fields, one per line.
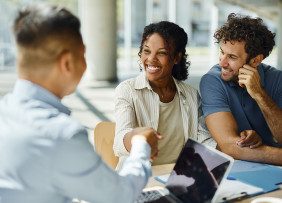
x=176 y=39
x=258 y=38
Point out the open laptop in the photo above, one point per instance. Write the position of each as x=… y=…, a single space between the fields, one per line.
x=195 y=178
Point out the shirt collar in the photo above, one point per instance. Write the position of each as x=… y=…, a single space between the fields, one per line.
x=142 y=82
x=261 y=74
x=25 y=89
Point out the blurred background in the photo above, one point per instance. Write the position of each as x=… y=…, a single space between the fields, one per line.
x=112 y=32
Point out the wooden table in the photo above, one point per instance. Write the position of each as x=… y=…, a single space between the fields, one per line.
x=167 y=168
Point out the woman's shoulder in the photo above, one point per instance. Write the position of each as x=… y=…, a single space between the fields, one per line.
x=128 y=83
x=127 y=88
x=136 y=83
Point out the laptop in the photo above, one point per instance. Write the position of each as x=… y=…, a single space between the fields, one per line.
x=196 y=176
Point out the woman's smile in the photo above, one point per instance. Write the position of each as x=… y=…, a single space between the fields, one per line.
x=153 y=69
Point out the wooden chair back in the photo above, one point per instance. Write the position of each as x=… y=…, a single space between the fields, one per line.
x=104 y=134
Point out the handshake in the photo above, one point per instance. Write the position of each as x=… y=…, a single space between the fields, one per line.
x=148 y=134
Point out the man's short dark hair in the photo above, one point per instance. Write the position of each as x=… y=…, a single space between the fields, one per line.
x=42 y=32
x=36 y=23
x=258 y=38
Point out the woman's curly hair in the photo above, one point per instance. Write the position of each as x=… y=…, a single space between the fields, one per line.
x=259 y=39
x=175 y=38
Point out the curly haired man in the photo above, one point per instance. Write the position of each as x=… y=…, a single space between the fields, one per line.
x=242 y=97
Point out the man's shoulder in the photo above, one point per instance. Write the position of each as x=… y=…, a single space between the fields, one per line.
x=5 y=99
x=212 y=77
x=64 y=126
x=214 y=71
x=270 y=75
x=40 y=116
x=270 y=70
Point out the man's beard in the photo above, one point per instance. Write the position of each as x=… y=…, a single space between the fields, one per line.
x=233 y=78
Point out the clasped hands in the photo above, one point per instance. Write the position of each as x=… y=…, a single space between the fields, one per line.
x=150 y=136
x=249 y=138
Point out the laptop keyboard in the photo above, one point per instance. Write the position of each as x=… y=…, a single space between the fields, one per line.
x=148 y=196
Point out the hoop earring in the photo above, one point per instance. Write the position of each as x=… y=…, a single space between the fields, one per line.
x=140 y=65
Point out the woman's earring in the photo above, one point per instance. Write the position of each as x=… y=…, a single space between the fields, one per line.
x=140 y=65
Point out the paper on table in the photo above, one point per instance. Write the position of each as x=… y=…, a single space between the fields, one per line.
x=227 y=190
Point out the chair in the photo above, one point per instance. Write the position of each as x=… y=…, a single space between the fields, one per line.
x=104 y=133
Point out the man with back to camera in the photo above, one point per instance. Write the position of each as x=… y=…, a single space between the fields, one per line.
x=45 y=154
x=242 y=97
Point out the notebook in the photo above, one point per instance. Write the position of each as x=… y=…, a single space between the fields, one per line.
x=195 y=178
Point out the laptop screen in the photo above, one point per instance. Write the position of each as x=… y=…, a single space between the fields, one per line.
x=197 y=173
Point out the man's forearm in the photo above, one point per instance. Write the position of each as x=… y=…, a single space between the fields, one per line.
x=136 y=169
x=272 y=114
x=223 y=128
x=263 y=154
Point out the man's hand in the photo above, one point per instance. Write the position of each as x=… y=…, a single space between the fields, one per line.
x=249 y=138
x=151 y=136
x=250 y=79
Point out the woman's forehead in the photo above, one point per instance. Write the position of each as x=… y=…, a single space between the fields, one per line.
x=156 y=38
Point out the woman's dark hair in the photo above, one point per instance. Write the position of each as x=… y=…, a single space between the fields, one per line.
x=175 y=38
x=258 y=38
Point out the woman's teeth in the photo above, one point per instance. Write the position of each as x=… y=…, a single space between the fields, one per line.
x=152 y=69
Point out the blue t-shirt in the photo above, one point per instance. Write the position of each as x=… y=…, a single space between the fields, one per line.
x=221 y=96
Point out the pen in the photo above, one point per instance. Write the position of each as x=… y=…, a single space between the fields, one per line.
x=234 y=197
x=230 y=178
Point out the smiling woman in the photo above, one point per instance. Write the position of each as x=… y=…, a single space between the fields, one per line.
x=158 y=65
x=158 y=97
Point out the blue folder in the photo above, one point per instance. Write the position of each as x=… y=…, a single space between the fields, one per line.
x=267 y=177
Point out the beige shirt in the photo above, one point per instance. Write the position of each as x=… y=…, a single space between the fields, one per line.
x=137 y=105
x=171 y=128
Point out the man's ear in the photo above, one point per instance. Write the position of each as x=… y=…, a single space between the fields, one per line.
x=254 y=62
x=64 y=62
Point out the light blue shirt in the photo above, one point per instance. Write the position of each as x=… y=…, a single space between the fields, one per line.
x=45 y=155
